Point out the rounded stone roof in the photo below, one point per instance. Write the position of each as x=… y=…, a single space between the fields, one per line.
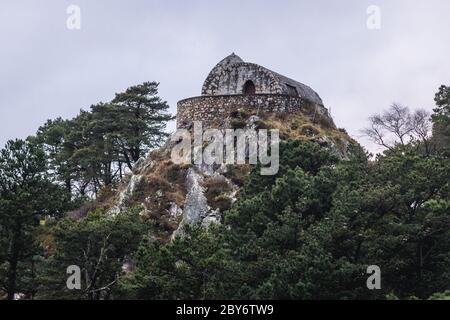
x=229 y=76
x=230 y=60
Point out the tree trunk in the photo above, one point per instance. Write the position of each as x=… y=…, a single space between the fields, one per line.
x=68 y=184
x=127 y=160
x=13 y=261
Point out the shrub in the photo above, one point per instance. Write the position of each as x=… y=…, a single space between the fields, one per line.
x=309 y=130
x=221 y=202
x=216 y=189
x=238 y=174
x=238 y=123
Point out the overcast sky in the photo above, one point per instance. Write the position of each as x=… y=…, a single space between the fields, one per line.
x=47 y=70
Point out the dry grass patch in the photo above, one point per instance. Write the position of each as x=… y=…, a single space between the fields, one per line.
x=217 y=189
x=238 y=174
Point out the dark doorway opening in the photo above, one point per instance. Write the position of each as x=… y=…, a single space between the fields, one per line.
x=249 y=88
x=292 y=91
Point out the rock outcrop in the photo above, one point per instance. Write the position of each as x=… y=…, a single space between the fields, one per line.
x=235 y=95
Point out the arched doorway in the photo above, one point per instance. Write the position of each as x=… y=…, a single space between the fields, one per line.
x=249 y=88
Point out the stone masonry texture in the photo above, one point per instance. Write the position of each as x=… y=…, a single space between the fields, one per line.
x=224 y=92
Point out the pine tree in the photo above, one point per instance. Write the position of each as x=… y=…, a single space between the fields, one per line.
x=142 y=118
x=26 y=196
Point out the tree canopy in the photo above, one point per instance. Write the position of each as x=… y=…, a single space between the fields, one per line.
x=309 y=232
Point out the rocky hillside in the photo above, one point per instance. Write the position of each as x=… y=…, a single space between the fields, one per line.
x=172 y=195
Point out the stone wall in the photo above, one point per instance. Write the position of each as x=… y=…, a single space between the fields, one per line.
x=231 y=79
x=215 y=108
x=230 y=75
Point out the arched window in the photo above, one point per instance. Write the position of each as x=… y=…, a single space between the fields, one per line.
x=249 y=88
x=292 y=91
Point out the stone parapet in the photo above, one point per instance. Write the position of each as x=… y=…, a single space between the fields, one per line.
x=216 y=108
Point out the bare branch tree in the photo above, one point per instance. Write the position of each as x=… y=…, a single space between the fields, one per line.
x=376 y=133
x=397 y=120
x=399 y=124
x=421 y=124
